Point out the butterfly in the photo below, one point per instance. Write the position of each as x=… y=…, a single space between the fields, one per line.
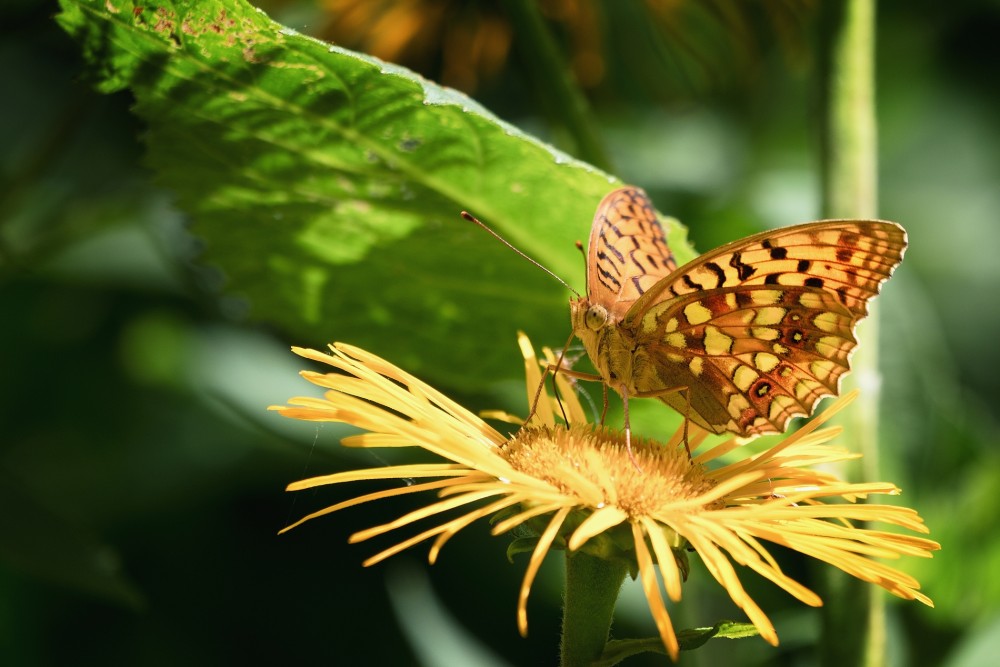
x=742 y=338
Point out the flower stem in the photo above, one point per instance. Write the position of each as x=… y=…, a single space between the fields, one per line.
x=854 y=613
x=592 y=586
x=850 y=181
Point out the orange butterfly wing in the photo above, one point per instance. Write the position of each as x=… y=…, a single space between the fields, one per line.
x=627 y=253
x=849 y=257
x=755 y=332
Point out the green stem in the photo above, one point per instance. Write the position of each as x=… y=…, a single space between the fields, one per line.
x=850 y=183
x=592 y=586
x=854 y=612
x=555 y=83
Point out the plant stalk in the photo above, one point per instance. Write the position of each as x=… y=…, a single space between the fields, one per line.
x=854 y=611
x=592 y=586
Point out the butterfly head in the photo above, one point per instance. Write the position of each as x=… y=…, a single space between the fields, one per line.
x=587 y=316
x=595 y=317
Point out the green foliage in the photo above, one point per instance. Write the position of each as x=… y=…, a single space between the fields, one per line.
x=327 y=186
x=693 y=638
x=137 y=461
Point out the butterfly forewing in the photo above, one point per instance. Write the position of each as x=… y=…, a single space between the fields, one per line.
x=850 y=258
x=627 y=253
x=752 y=333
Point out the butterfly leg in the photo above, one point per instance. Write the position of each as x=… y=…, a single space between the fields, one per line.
x=604 y=387
x=628 y=428
x=557 y=368
x=604 y=394
x=538 y=395
x=553 y=368
x=562 y=408
x=687 y=411
x=659 y=393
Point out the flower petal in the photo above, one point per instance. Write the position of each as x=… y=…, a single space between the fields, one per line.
x=651 y=588
x=720 y=568
x=599 y=521
x=422 y=513
x=537 y=556
x=665 y=557
x=388 y=493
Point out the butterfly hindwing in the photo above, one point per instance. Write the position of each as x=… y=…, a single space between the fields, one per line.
x=751 y=357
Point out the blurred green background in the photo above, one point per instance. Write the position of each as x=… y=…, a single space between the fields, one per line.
x=142 y=480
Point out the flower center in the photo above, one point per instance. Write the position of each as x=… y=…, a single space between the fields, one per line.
x=593 y=464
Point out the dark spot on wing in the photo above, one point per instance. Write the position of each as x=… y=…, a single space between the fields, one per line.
x=609 y=280
x=604 y=260
x=743 y=271
x=717 y=270
x=692 y=284
x=607 y=245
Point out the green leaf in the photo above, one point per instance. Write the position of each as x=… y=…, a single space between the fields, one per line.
x=327 y=185
x=619 y=649
x=521 y=545
x=695 y=637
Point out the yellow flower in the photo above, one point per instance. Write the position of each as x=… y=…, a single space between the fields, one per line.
x=579 y=487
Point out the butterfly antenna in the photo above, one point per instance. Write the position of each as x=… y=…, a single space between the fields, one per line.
x=471 y=218
x=579 y=246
